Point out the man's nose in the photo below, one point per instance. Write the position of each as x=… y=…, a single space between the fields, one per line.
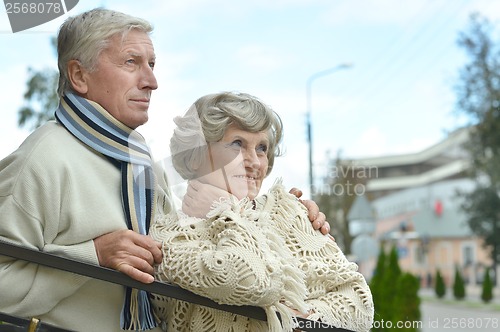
x=148 y=79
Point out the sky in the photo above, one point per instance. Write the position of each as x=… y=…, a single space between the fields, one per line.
x=396 y=96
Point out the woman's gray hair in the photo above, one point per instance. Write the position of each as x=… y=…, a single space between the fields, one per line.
x=85 y=36
x=208 y=118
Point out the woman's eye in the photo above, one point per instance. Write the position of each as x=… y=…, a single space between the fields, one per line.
x=236 y=144
x=262 y=148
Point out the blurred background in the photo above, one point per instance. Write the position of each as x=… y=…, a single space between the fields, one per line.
x=391 y=112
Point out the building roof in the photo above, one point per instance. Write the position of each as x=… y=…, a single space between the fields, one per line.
x=447 y=147
x=361 y=209
x=451 y=223
x=445 y=160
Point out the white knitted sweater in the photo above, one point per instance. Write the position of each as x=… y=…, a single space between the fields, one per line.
x=263 y=253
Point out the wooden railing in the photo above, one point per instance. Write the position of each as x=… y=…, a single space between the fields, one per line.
x=116 y=277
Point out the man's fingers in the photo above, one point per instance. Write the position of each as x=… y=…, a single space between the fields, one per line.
x=325 y=229
x=312 y=209
x=148 y=249
x=129 y=252
x=135 y=273
x=296 y=192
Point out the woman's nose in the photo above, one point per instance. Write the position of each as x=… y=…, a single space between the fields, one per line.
x=250 y=158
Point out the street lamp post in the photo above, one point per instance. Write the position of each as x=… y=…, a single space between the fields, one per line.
x=308 y=119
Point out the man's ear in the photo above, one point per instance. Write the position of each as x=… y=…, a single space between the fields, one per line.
x=77 y=77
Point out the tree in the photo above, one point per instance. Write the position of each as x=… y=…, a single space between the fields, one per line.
x=391 y=275
x=406 y=303
x=458 y=285
x=478 y=93
x=487 y=290
x=439 y=287
x=383 y=291
x=335 y=197
x=376 y=287
x=40 y=98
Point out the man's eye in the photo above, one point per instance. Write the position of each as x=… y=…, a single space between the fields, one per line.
x=132 y=61
x=152 y=65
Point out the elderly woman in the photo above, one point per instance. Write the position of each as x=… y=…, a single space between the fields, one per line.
x=249 y=249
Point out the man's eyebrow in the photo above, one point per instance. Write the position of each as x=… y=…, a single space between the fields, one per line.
x=138 y=55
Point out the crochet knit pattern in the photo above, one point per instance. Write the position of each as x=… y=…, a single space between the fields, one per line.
x=263 y=253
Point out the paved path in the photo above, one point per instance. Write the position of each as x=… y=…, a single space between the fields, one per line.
x=437 y=317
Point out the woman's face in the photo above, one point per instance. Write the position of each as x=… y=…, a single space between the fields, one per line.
x=238 y=162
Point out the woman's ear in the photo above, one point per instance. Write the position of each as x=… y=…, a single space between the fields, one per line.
x=76 y=75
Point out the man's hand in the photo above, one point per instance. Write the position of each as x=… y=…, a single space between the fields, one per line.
x=129 y=252
x=317 y=218
x=199 y=198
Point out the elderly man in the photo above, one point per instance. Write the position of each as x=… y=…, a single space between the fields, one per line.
x=83 y=186
x=67 y=188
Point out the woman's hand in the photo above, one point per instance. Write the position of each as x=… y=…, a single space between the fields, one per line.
x=199 y=198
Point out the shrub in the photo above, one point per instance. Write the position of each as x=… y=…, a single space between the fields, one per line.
x=487 y=292
x=458 y=285
x=407 y=302
x=439 y=287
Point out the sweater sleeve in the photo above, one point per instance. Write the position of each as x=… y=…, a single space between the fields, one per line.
x=47 y=204
x=30 y=281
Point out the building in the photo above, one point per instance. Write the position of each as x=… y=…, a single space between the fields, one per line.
x=416 y=204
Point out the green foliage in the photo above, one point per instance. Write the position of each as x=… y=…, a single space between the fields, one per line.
x=439 y=287
x=487 y=291
x=376 y=286
x=482 y=207
x=391 y=275
x=406 y=302
x=478 y=92
x=458 y=285
x=378 y=275
x=392 y=290
x=40 y=98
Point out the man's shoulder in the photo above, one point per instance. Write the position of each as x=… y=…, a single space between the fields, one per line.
x=44 y=148
x=48 y=133
x=53 y=140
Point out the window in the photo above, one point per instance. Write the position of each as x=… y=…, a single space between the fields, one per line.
x=467 y=254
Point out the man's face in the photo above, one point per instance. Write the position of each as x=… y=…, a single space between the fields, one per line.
x=238 y=162
x=123 y=79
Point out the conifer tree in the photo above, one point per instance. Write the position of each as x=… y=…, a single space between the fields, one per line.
x=439 y=287
x=406 y=308
x=458 y=285
x=389 y=281
x=376 y=287
x=386 y=290
x=487 y=292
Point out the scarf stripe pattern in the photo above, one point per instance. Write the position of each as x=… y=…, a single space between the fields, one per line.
x=126 y=148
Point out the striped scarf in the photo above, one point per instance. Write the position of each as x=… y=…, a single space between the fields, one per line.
x=126 y=148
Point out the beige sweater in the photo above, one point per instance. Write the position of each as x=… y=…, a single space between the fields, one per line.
x=265 y=254
x=57 y=195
